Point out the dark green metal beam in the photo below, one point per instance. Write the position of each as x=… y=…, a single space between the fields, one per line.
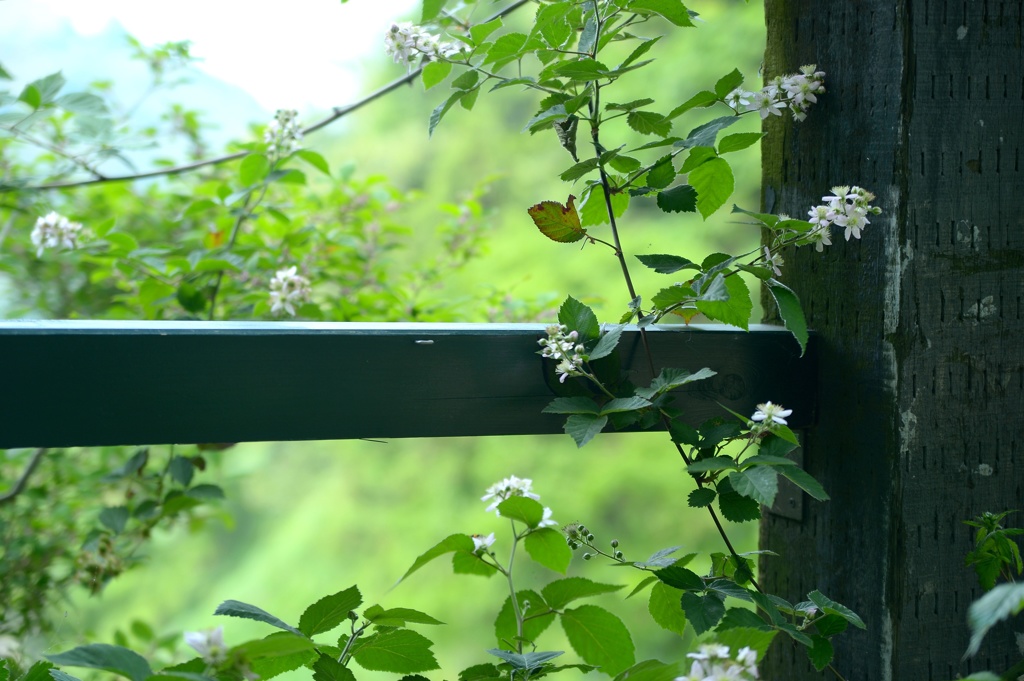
x=74 y=383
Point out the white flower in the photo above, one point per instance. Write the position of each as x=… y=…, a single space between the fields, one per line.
x=209 y=644
x=563 y=348
x=771 y=412
x=766 y=103
x=713 y=663
x=773 y=260
x=481 y=543
x=507 y=488
x=739 y=99
x=404 y=42
x=283 y=133
x=546 y=521
x=288 y=289
x=55 y=231
x=847 y=207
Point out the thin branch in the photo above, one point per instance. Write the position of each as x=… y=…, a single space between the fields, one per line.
x=19 y=487
x=336 y=113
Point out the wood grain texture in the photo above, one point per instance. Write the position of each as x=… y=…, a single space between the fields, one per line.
x=115 y=383
x=921 y=424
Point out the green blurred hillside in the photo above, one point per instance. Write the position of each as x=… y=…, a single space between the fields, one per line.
x=314 y=518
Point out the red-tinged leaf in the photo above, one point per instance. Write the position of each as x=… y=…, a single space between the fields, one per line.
x=557 y=222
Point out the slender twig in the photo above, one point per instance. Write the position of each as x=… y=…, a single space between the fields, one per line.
x=512 y=591
x=54 y=149
x=336 y=113
x=19 y=487
x=245 y=214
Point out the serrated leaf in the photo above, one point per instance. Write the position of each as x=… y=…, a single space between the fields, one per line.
x=671 y=378
x=735 y=309
x=549 y=548
x=608 y=342
x=740 y=140
x=714 y=183
x=232 y=608
x=649 y=123
x=278 y=644
x=599 y=637
x=511 y=46
x=728 y=83
x=739 y=637
x=702 y=99
x=561 y=592
x=629 y=106
x=623 y=404
x=523 y=509
x=114 y=518
x=434 y=73
x=431 y=8
x=314 y=159
x=734 y=506
x=578 y=317
x=505 y=622
x=109 y=658
x=572 y=405
x=84 y=103
x=702 y=611
x=393 y=617
x=583 y=428
x=646 y=582
x=470 y=564
x=679 y=199
x=438 y=114
x=821 y=652
x=558 y=222
x=662 y=173
x=399 y=651
x=666 y=611
x=791 y=312
x=680 y=578
x=595 y=209
x=673 y=10
x=697 y=156
x=701 y=497
x=705 y=135
x=804 y=481
x=467 y=80
x=584 y=69
x=714 y=463
x=667 y=264
x=830 y=607
x=578 y=171
x=55 y=674
x=328 y=669
x=760 y=483
x=526 y=661
x=330 y=611
x=454 y=542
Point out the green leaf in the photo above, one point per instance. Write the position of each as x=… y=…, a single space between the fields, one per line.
x=622 y=404
x=644 y=583
x=527 y=661
x=329 y=669
x=738 y=637
x=649 y=123
x=665 y=609
x=705 y=135
x=470 y=564
x=736 y=309
x=599 y=637
x=329 y=611
x=548 y=547
x=511 y=46
x=679 y=199
x=576 y=316
x=702 y=611
x=253 y=169
x=479 y=33
x=640 y=50
x=469 y=79
x=181 y=470
x=251 y=612
x=714 y=183
x=673 y=10
x=523 y=509
x=582 y=70
x=4 y=75
x=55 y=674
x=821 y=653
x=714 y=463
x=557 y=222
x=505 y=622
x=431 y=8
x=702 y=99
x=760 y=483
x=680 y=578
x=728 y=83
x=667 y=264
x=629 y=106
x=49 y=86
x=697 y=156
x=441 y=109
x=399 y=651
x=572 y=405
x=830 y=607
x=740 y=140
x=579 y=170
x=30 y=95
x=609 y=341
x=278 y=644
x=114 y=518
x=791 y=312
x=595 y=209
x=701 y=497
x=805 y=481
x=734 y=506
x=316 y=160
x=205 y=492
x=670 y=379
x=435 y=72
x=109 y=658
x=82 y=103
x=560 y=593
x=39 y=671
x=454 y=542
x=582 y=428
x=662 y=173
x=480 y=672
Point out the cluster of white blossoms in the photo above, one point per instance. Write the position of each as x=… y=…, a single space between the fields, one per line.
x=288 y=289
x=713 y=663
x=565 y=349
x=55 y=231
x=847 y=207
x=795 y=92
x=506 y=489
x=767 y=415
x=283 y=133
x=209 y=644
x=404 y=42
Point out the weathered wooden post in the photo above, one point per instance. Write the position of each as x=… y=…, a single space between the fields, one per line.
x=921 y=412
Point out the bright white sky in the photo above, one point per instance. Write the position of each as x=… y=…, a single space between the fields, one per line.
x=296 y=54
